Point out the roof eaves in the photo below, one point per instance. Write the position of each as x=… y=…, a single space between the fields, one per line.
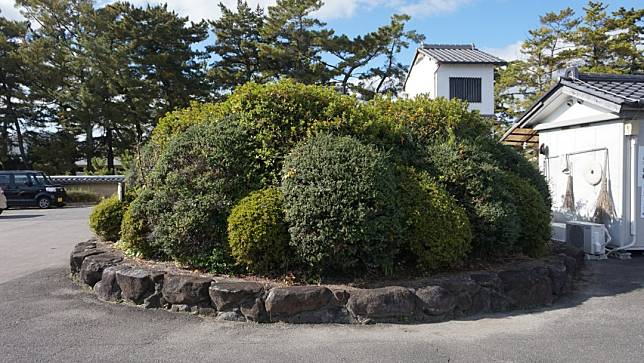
x=598 y=92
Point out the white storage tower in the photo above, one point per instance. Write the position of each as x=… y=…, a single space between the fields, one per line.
x=590 y=134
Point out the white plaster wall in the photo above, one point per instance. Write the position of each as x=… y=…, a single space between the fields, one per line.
x=421 y=78
x=579 y=138
x=483 y=71
x=579 y=112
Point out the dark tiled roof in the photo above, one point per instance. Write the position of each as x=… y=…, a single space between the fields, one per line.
x=84 y=179
x=459 y=53
x=620 y=89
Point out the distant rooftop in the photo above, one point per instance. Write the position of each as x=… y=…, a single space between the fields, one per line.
x=459 y=53
x=616 y=88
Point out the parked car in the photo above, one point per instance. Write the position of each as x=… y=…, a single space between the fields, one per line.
x=28 y=188
x=3 y=201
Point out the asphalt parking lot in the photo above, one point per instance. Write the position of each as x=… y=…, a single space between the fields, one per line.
x=44 y=317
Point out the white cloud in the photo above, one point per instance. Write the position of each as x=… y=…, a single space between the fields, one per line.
x=200 y=9
x=332 y=9
x=509 y=52
x=432 y=7
x=9 y=10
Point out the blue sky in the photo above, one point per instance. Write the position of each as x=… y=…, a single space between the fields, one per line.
x=497 y=26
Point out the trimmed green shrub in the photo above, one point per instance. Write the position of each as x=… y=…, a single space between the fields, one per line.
x=201 y=174
x=105 y=219
x=257 y=231
x=508 y=158
x=178 y=121
x=426 y=120
x=135 y=228
x=278 y=115
x=481 y=188
x=437 y=229
x=143 y=161
x=82 y=196
x=341 y=198
x=534 y=216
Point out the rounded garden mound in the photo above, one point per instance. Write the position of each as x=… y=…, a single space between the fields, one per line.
x=298 y=182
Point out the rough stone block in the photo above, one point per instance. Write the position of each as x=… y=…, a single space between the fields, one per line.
x=91 y=270
x=80 y=254
x=108 y=289
x=393 y=303
x=436 y=300
x=227 y=296
x=137 y=283
x=186 y=289
x=283 y=303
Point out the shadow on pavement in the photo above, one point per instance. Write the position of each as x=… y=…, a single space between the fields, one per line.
x=598 y=279
x=606 y=278
x=21 y=216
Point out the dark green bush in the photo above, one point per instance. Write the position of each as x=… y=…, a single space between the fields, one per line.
x=437 y=229
x=143 y=161
x=106 y=217
x=135 y=227
x=257 y=231
x=481 y=188
x=534 y=216
x=426 y=120
x=341 y=199
x=278 y=115
x=509 y=159
x=200 y=175
x=82 y=196
x=341 y=195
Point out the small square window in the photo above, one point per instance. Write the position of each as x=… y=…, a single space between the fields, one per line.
x=467 y=89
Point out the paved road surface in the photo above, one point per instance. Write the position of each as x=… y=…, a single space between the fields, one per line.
x=43 y=317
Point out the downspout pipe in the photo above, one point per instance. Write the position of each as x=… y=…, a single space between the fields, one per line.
x=633 y=196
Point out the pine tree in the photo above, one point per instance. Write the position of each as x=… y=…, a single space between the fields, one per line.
x=627 y=40
x=15 y=105
x=592 y=39
x=293 y=42
x=356 y=54
x=389 y=77
x=237 y=43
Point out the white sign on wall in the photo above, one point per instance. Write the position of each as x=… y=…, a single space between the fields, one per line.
x=642 y=204
x=640 y=167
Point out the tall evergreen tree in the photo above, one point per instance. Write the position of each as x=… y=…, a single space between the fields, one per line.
x=293 y=42
x=237 y=42
x=592 y=39
x=389 y=77
x=356 y=54
x=63 y=65
x=628 y=40
x=597 y=42
x=15 y=105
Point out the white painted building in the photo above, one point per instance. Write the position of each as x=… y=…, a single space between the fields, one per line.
x=587 y=127
x=454 y=71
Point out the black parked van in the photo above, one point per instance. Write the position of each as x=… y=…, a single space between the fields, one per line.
x=28 y=188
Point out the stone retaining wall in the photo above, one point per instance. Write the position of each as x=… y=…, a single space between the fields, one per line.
x=519 y=286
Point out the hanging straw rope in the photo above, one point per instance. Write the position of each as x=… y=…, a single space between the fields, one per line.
x=569 y=197
x=604 y=208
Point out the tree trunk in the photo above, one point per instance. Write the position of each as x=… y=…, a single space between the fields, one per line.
x=21 y=144
x=89 y=146
x=4 y=134
x=16 y=123
x=110 y=151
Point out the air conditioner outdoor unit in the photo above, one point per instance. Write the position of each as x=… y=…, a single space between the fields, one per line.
x=592 y=238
